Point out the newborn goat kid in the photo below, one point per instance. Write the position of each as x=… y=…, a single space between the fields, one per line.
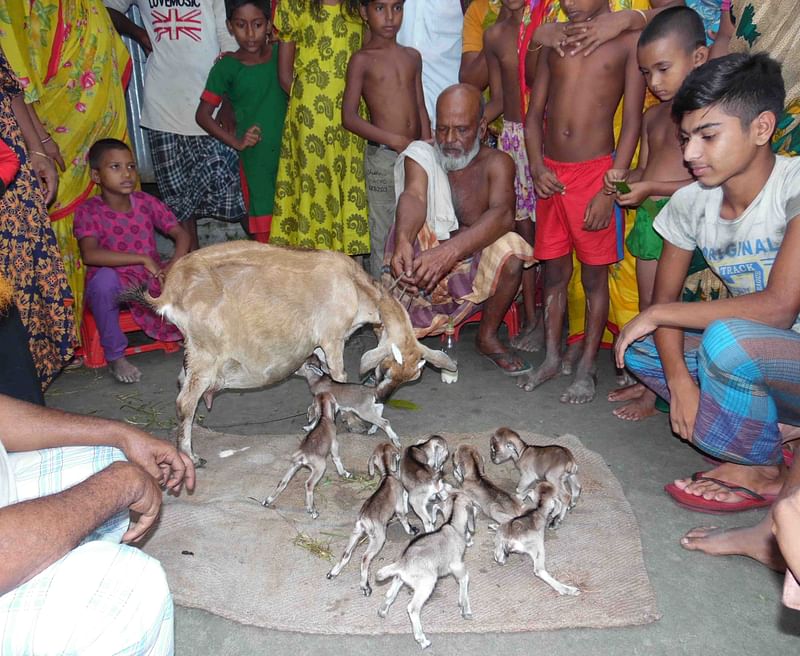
x=421 y=475
x=313 y=453
x=388 y=500
x=429 y=557
x=552 y=463
x=493 y=501
x=352 y=397
x=525 y=535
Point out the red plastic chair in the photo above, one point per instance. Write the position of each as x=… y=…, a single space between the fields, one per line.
x=92 y=351
x=511 y=319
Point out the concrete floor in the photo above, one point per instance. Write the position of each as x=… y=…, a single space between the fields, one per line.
x=727 y=605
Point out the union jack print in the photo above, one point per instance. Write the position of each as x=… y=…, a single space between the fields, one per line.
x=172 y=24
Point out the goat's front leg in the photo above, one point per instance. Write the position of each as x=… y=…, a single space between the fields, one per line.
x=462 y=576
x=401 y=510
x=355 y=536
x=526 y=482
x=337 y=461
x=421 y=594
x=537 y=556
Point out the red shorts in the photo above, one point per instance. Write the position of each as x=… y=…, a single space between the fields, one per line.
x=559 y=219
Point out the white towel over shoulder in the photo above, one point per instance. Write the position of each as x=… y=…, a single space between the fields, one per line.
x=441 y=217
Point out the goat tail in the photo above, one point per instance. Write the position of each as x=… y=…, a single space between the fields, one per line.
x=138 y=295
x=387 y=572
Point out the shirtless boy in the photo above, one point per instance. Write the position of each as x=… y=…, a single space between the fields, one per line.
x=502 y=58
x=568 y=161
x=389 y=78
x=671 y=46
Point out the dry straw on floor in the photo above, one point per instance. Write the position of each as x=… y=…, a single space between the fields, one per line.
x=224 y=553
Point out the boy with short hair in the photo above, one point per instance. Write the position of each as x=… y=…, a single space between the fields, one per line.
x=389 y=78
x=671 y=46
x=116 y=234
x=729 y=388
x=500 y=47
x=568 y=162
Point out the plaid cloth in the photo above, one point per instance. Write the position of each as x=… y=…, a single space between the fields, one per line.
x=102 y=597
x=461 y=292
x=197 y=176
x=749 y=379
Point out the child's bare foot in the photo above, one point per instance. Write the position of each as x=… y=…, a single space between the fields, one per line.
x=786 y=528
x=573 y=354
x=124 y=371
x=639 y=408
x=582 y=389
x=547 y=370
x=627 y=393
x=756 y=542
x=761 y=479
x=530 y=338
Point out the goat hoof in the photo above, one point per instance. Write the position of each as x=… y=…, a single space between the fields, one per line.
x=347 y=474
x=382 y=612
x=414 y=530
x=367 y=590
x=466 y=614
x=424 y=643
x=329 y=575
x=267 y=502
x=314 y=514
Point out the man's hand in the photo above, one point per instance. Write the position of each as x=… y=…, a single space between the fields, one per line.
x=640 y=326
x=546 y=182
x=144 y=498
x=168 y=466
x=48 y=176
x=403 y=261
x=598 y=212
x=640 y=192
x=683 y=405
x=433 y=265
x=612 y=176
x=588 y=36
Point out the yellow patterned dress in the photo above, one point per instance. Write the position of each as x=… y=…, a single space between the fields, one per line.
x=71 y=64
x=320 y=194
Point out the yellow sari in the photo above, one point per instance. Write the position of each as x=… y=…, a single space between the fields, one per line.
x=73 y=67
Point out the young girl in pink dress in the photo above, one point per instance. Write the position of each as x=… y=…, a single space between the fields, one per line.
x=116 y=234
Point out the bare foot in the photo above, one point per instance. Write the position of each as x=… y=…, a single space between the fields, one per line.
x=786 y=528
x=530 y=338
x=547 y=370
x=761 y=479
x=638 y=409
x=755 y=542
x=124 y=371
x=573 y=354
x=626 y=393
x=582 y=389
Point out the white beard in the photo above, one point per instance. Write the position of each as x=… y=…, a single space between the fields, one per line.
x=451 y=163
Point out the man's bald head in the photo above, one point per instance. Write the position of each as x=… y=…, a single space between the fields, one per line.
x=460 y=98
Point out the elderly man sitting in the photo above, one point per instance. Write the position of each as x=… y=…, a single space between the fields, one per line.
x=453 y=245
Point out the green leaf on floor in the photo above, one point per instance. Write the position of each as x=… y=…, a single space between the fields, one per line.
x=402 y=404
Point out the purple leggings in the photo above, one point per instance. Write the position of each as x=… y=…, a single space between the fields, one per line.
x=101 y=296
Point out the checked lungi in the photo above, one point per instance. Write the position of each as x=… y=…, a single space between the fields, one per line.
x=102 y=597
x=749 y=379
x=197 y=176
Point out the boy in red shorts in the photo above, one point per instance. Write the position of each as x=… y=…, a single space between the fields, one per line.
x=579 y=96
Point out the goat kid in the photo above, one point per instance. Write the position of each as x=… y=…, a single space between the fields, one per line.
x=313 y=454
x=429 y=557
x=552 y=463
x=421 y=475
x=525 y=535
x=358 y=399
x=495 y=502
x=388 y=501
x=252 y=313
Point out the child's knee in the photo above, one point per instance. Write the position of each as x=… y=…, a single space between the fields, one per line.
x=104 y=286
x=721 y=345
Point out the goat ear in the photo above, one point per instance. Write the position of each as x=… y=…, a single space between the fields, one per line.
x=396 y=354
x=371 y=467
x=373 y=358
x=513 y=448
x=421 y=364
x=438 y=359
x=481 y=464
x=471 y=518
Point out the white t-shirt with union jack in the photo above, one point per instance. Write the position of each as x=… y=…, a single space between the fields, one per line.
x=187 y=36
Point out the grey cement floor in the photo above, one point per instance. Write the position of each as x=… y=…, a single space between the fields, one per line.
x=711 y=606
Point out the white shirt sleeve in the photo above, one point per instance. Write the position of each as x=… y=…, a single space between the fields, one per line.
x=677 y=221
x=120 y=5
x=225 y=39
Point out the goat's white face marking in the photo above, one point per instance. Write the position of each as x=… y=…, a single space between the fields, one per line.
x=396 y=354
